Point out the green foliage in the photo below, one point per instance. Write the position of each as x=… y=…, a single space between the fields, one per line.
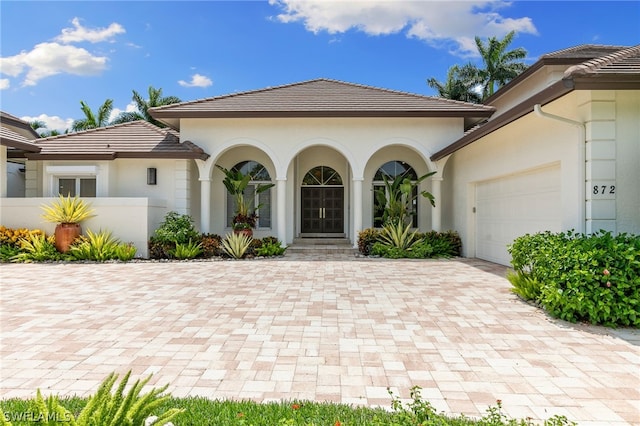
x=99 y=246
x=270 y=246
x=203 y=411
x=8 y=252
x=175 y=228
x=582 y=278
x=36 y=248
x=67 y=210
x=398 y=234
x=211 y=245
x=524 y=286
x=190 y=250
x=236 y=183
x=236 y=245
x=366 y=239
x=396 y=241
x=125 y=252
x=104 y=408
x=397 y=197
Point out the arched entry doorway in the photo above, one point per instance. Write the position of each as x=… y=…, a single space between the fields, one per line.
x=322 y=203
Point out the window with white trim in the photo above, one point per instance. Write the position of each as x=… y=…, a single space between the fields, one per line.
x=72 y=186
x=391 y=170
x=259 y=175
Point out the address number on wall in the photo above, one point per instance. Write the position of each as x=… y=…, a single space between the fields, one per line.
x=603 y=190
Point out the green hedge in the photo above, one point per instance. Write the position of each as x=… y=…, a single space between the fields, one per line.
x=575 y=277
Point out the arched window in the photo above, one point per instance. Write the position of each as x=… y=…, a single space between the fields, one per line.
x=322 y=176
x=259 y=174
x=392 y=170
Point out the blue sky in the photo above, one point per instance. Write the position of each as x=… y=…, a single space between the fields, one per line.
x=55 y=54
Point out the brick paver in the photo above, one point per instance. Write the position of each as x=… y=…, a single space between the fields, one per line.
x=336 y=329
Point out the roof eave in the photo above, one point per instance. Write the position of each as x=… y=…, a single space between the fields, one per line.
x=115 y=155
x=23 y=146
x=549 y=94
x=163 y=116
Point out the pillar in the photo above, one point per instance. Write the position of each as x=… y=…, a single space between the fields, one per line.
x=357 y=209
x=281 y=209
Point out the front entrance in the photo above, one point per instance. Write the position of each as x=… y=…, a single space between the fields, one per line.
x=322 y=210
x=322 y=203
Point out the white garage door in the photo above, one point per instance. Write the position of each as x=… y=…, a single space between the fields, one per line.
x=509 y=207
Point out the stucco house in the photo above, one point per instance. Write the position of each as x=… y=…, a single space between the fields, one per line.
x=555 y=149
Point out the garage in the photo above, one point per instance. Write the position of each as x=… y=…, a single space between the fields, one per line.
x=514 y=205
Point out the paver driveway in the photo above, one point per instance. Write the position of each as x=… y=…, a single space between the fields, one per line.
x=340 y=329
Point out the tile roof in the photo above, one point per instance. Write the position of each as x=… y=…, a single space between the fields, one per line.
x=612 y=68
x=14 y=140
x=19 y=125
x=322 y=98
x=137 y=139
x=622 y=61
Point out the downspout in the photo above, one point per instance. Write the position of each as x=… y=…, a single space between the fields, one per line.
x=582 y=158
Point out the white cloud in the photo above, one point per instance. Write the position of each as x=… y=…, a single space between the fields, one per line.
x=439 y=23
x=197 y=80
x=79 y=33
x=53 y=122
x=4 y=83
x=47 y=59
x=57 y=56
x=131 y=107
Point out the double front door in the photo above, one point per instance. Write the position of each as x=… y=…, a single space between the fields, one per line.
x=322 y=209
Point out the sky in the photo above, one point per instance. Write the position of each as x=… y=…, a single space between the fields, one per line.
x=55 y=54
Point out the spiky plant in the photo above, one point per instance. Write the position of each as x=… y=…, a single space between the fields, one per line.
x=398 y=234
x=236 y=245
x=67 y=210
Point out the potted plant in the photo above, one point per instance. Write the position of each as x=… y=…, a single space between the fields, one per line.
x=68 y=213
x=245 y=215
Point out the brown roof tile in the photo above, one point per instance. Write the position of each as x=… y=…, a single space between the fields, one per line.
x=12 y=139
x=322 y=98
x=138 y=139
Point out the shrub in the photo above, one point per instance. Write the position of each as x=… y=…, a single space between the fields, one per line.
x=189 y=250
x=270 y=246
x=98 y=246
x=366 y=239
x=582 y=278
x=176 y=228
x=211 y=245
x=125 y=252
x=67 y=210
x=37 y=248
x=12 y=237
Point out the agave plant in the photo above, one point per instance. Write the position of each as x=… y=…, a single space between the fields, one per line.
x=398 y=234
x=236 y=245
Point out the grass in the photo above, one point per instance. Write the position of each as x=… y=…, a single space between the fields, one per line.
x=202 y=412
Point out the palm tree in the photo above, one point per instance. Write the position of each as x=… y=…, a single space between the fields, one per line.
x=39 y=124
x=461 y=84
x=155 y=99
x=500 y=65
x=91 y=120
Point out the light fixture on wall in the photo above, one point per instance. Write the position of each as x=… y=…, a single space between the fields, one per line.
x=152 y=174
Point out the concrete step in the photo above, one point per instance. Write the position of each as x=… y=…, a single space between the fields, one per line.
x=321 y=246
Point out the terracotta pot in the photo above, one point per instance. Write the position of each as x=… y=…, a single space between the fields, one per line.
x=245 y=231
x=65 y=234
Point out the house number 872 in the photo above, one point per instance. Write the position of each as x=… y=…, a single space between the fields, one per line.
x=604 y=189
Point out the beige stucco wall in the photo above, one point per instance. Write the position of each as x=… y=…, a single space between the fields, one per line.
x=355 y=147
x=129 y=219
x=611 y=155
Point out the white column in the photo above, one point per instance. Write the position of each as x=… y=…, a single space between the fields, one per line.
x=205 y=204
x=281 y=209
x=357 y=209
x=436 y=213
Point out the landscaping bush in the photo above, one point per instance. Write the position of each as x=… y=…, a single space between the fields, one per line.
x=574 y=277
x=397 y=241
x=176 y=228
x=366 y=239
x=36 y=248
x=211 y=245
x=270 y=246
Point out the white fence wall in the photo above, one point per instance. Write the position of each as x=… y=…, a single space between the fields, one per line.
x=129 y=219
